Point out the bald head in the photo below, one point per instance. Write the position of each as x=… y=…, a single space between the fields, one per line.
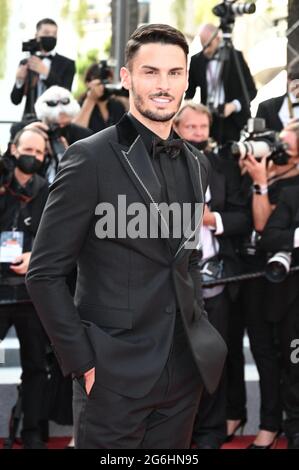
x=210 y=39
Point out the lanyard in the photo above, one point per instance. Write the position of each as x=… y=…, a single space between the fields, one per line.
x=15 y=222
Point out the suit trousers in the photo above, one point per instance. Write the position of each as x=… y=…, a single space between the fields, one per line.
x=33 y=344
x=249 y=312
x=210 y=423
x=163 y=419
x=289 y=329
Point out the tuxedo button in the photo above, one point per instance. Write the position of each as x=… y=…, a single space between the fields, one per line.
x=169 y=309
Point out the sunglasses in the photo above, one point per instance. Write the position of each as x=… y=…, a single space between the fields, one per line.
x=53 y=103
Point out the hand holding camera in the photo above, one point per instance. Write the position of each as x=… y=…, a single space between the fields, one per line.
x=22 y=72
x=95 y=90
x=257 y=169
x=35 y=64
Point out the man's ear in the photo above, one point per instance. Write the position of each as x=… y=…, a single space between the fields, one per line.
x=125 y=77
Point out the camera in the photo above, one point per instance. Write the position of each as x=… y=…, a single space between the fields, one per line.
x=259 y=142
x=103 y=73
x=278 y=266
x=31 y=46
x=227 y=10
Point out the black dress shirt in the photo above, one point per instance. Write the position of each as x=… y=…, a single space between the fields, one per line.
x=173 y=174
x=116 y=111
x=174 y=177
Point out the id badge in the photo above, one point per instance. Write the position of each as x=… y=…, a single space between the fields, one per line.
x=11 y=246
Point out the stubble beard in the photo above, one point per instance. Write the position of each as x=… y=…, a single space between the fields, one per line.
x=151 y=115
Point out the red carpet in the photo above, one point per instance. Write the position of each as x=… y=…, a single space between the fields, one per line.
x=244 y=441
x=54 y=443
x=237 y=443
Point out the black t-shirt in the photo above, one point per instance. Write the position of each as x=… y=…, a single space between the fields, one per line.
x=257 y=262
x=116 y=111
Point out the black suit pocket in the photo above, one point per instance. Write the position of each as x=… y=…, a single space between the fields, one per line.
x=107 y=317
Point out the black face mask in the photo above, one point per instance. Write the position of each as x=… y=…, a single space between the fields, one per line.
x=48 y=43
x=28 y=164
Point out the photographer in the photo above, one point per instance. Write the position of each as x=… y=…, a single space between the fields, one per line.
x=268 y=177
x=221 y=89
x=281 y=110
x=268 y=180
x=98 y=109
x=23 y=195
x=225 y=218
x=281 y=234
x=46 y=66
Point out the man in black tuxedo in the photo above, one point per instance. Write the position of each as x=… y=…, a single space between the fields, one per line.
x=137 y=339
x=279 y=111
x=23 y=194
x=48 y=68
x=225 y=219
x=220 y=91
x=282 y=234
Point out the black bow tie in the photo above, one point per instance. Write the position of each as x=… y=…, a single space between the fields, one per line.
x=296 y=103
x=43 y=56
x=172 y=147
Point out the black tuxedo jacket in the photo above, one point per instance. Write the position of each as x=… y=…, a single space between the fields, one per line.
x=278 y=235
x=62 y=73
x=231 y=83
x=269 y=110
x=128 y=290
x=226 y=199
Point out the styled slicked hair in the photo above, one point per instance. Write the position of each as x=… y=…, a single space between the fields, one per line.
x=154 y=33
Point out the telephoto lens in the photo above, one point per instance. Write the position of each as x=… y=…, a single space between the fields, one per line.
x=278 y=266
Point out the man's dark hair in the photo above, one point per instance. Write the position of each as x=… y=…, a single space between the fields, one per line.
x=94 y=72
x=293 y=69
x=155 y=33
x=45 y=21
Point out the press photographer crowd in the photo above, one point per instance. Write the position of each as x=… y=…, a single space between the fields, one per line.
x=249 y=238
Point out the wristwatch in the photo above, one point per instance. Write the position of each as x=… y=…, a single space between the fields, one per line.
x=260 y=189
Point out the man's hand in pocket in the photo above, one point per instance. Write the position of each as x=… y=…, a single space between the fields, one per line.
x=89 y=380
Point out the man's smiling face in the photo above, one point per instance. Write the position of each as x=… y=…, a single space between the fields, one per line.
x=157 y=80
